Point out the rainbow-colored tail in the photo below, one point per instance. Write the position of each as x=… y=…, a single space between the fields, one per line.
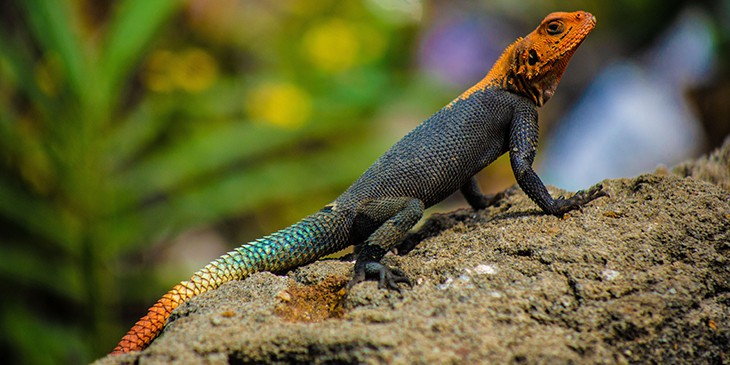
x=315 y=236
x=149 y=326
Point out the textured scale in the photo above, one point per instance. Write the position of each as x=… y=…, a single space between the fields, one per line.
x=442 y=153
x=437 y=158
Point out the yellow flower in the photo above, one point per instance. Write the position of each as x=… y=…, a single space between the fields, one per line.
x=332 y=46
x=195 y=70
x=156 y=74
x=192 y=70
x=282 y=104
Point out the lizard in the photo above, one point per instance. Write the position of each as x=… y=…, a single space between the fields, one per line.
x=497 y=115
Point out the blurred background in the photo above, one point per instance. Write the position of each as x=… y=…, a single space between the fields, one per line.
x=141 y=139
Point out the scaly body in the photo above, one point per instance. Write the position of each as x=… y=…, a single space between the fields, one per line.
x=439 y=157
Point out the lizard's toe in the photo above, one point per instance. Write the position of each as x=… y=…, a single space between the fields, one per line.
x=357 y=278
x=594 y=192
x=390 y=277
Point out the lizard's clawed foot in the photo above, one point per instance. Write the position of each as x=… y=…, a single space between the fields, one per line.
x=579 y=199
x=491 y=200
x=479 y=201
x=583 y=197
x=388 y=278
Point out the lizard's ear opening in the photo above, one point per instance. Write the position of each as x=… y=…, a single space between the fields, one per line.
x=532 y=57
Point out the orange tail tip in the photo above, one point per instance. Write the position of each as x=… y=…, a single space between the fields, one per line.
x=149 y=326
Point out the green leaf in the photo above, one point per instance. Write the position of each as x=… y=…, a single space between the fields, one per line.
x=134 y=132
x=133 y=26
x=17 y=67
x=212 y=150
x=28 y=333
x=251 y=188
x=50 y=21
x=35 y=215
x=10 y=141
x=26 y=267
x=204 y=152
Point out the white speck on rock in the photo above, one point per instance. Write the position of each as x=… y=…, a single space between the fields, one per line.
x=609 y=274
x=485 y=269
x=447 y=283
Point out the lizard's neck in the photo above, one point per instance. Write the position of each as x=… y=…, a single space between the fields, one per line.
x=504 y=75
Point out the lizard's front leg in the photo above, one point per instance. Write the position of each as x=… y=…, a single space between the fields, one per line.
x=523 y=142
x=393 y=217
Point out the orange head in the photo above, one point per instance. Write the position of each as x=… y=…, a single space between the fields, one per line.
x=532 y=66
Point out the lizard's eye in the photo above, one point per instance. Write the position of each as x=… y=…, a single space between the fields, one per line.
x=555 y=27
x=532 y=57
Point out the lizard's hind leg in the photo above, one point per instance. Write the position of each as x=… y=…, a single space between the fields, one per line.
x=393 y=217
x=476 y=199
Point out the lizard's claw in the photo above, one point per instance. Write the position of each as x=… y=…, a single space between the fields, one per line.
x=357 y=277
x=388 y=278
x=579 y=199
x=584 y=196
x=493 y=199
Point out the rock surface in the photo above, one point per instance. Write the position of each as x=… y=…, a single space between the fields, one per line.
x=642 y=276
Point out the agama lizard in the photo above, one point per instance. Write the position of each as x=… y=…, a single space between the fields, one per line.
x=437 y=158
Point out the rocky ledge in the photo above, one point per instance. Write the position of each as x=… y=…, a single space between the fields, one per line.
x=642 y=276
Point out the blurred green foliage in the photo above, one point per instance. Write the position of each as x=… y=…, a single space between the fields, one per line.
x=109 y=146
x=124 y=123
x=58 y=190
